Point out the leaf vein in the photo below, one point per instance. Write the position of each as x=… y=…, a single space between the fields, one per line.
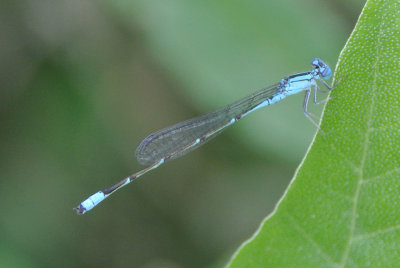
x=382 y=176
x=309 y=238
x=378 y=232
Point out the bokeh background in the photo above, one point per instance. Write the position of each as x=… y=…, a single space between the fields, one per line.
x=83 y=82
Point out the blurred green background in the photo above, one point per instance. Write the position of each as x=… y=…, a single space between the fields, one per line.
x=83 y=82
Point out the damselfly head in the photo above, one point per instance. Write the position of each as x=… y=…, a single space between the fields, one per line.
x=322 y=68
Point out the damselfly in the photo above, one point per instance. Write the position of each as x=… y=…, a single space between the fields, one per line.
x=177 y=140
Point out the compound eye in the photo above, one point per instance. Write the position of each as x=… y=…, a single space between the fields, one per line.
x=317 y=63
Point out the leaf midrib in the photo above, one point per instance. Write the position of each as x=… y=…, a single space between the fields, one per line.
x=360 y=178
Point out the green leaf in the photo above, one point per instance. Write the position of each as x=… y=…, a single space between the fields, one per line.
x=343 y=207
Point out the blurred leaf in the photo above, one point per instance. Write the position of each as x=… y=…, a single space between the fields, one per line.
x=221 y=51
x=342 y=209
